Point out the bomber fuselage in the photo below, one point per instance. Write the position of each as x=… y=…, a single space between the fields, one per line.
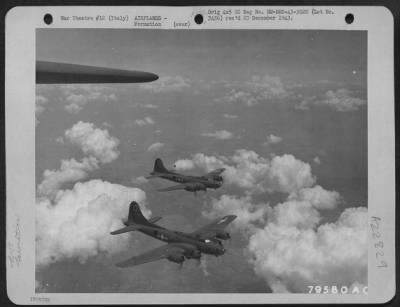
x=212 y=247
x=179 y=178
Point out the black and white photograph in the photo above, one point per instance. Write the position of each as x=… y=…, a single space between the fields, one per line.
x=209 y=161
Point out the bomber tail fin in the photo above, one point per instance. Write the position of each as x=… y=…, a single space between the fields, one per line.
x=135 y=215
x=159 y=167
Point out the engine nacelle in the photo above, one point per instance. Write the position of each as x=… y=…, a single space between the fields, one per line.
x=194 y=254
x=176 y=258
x=218 y=178
x=194 y=187
x=223 y=235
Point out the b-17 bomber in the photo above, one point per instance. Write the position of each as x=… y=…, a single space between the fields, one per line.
x=212 y=180
x=180 y=246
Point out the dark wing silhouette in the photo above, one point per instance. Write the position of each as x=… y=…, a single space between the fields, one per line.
x=191 y=186
x=158 y=253
x=174 y=188
x=55 y=73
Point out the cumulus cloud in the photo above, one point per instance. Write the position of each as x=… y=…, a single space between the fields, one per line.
x=94 y=141
x=150 y=106
x=140 y=180
x=69 y=171
x=247 y=213
x=342 y=100
x=258 y=89
x=317 y=160
x=256 y=174
x=289 y=245
x=231 y=116
x=76 y=225
x=97 y=143
x=291 y=254
x=317 y=196
x=167 y=84
x=77 y=96
x=289 y=174
x=155 y=146
x=146 y=121
x=220 y=135
x=183 y=165
x=268 y=86
x=244 y=97
x=272 y=139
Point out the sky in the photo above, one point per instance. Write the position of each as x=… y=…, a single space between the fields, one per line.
x=284 y=111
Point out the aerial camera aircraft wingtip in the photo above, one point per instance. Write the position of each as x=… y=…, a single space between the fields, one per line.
x=180 y=246
x=212 y=180
x=66 y=73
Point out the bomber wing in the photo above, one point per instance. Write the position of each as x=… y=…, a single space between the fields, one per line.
x=188 y=185
x=158 y=253
x=54 y=72
x=133 y=228
x=211 y=229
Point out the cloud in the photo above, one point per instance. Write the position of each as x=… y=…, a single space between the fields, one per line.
x=272 y=139
x=140 y=180
x=78 y=96
x=155 y=146
x=150 y=106
x=77 y=224
x=40 y=104
x=241 y=96
x=69 y=171
x=246 y=212
x=231 y=116
x=220 y=135
x=94 y=141
x=291 y=252
x=183 y=165
x=288 y=174
x=317 y=196
x=167 y=84
x=255 y=91
x=317 y=160
x=267 y=86
x=288 y=246
x=341 y=100
x=256 y=174
x=146 y=121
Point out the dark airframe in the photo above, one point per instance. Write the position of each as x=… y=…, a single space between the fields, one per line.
x=56 y=73
x=212 y=180
x=180 y=246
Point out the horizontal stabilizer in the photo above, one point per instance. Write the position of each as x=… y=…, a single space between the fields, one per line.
x=155 y=219
x=126 y=229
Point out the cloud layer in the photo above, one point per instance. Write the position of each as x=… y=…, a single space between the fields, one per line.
x=289 y=245
x=256 y=174
x=76 y=225
x=220 y=135
x=291 y=252
x=146 y=121
x=94 y=141
x=69 y=171
x=155 y=146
